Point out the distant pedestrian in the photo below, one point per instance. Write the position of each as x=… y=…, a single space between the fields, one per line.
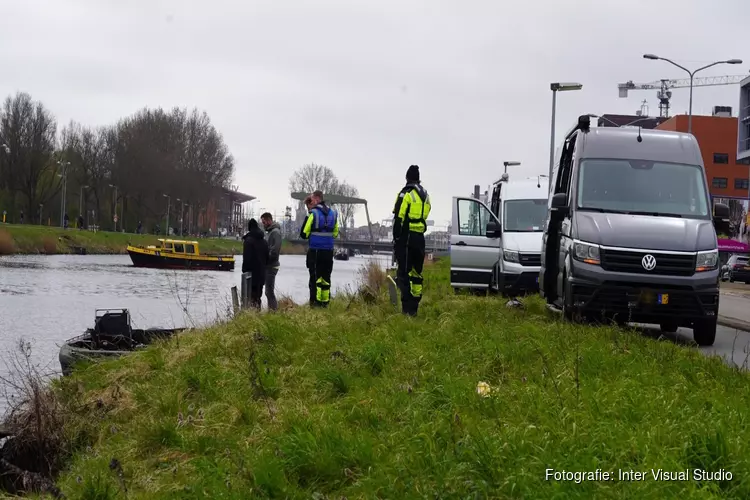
x=21 y=216
x=80 y=221
x=255 y=260
x=139 y=229
x=66 y=220
x=273 y=232
x=320 y=227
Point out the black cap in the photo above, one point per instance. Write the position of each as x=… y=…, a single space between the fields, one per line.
x=412 y=174
x=252 y=224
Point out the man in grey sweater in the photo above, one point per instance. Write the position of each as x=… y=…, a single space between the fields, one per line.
x=273 y=232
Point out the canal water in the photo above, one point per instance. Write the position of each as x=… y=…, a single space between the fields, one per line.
x=48 y=299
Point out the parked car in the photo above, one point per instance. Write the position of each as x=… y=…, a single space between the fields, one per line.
x=629 y=234
x=738 y=268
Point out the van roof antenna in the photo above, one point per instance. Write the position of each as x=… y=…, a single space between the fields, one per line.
x=639 y=139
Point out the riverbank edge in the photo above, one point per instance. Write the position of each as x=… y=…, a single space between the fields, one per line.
x=40 y=240
x=239 y=406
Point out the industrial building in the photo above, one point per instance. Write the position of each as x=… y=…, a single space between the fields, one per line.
x=743 y=129
x=717 y=138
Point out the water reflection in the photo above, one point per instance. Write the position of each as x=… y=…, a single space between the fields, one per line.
x=48 y=299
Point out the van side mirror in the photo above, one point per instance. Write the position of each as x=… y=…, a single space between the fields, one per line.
x=494 y=229
x=721 y=219
x=721 y=211
x=560 y=202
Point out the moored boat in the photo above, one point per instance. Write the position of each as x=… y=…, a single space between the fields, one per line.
x=178 y=254
x=342 y=254
x=112 y=336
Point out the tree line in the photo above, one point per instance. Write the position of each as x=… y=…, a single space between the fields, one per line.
x=130 y=166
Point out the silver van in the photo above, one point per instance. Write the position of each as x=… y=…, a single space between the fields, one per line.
x=630 y=231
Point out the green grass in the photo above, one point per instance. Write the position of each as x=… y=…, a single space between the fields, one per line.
x=365 y=403
x=31 y=239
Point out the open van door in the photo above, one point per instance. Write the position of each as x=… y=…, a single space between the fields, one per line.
x=475 y=243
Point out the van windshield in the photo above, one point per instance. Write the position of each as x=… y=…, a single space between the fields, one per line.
x=642 y=188
x=524 y=215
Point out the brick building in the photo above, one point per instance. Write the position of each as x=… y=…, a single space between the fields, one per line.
x=717 y=138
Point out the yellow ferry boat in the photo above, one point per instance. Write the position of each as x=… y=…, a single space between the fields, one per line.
x=178 y=254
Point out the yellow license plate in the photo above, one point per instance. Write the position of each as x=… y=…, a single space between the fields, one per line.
x=662 y=298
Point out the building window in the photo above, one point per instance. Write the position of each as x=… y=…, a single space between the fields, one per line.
x=721 y=158
x=719 y=182
x=741 y=183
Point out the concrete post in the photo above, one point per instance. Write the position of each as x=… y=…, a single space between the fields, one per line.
x=247 y=279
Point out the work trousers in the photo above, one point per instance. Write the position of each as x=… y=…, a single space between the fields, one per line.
x=410 y=250
x=256 y=292
x=273 y=304
x=320 y=266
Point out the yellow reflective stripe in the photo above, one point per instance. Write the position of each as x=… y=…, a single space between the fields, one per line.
x=415 y=283
x=322 y=290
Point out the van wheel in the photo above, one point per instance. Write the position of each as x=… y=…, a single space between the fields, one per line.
x=704 y=332
x=668 y=327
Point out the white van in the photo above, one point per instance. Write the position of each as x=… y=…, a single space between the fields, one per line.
x=500 y=249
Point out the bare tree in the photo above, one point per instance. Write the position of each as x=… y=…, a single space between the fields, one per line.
x=29 y=130
x=313 y=176
x=346 y=210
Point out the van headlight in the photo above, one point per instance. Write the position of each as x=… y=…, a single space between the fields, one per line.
x=586 y=252
x=510 y=256
x=707 y=261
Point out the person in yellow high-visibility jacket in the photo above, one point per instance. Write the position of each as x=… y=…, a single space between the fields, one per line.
x=320 y=229
x=409 y=225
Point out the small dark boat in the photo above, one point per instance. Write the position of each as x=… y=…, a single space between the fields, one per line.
x=112 y=336
x=178 y=254
x=342 y=254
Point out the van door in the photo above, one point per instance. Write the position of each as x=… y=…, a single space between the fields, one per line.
x=473 y=254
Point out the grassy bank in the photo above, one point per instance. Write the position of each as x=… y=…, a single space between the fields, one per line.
x=29 y=239
x=360 y=402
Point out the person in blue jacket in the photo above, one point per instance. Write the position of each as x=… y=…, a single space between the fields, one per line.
x=320 y=228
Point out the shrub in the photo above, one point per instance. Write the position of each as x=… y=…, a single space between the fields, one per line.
x=7 y=244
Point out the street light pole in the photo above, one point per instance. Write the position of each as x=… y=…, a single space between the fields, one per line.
x=555 y=87
x=80 y=202
x=182 y=212
x=64 y=176
x=692 y=74
x=168 y=204
x=115 y=210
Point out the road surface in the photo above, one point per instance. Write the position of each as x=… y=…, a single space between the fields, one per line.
x=733 y=334
x=731 y=344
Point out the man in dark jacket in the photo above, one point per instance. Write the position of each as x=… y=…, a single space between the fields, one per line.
x=255 y=260
x=273 y=234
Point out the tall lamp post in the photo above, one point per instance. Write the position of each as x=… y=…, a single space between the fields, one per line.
x=182 y=212
x=80 y=203
x=64 y=175
x=555 y=87
x=169 y=202
x=115 y=210
x=692 y=74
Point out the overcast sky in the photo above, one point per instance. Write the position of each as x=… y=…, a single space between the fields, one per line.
x=367 y=88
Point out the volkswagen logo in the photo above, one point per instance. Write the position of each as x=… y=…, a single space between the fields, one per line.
x=648 y=262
